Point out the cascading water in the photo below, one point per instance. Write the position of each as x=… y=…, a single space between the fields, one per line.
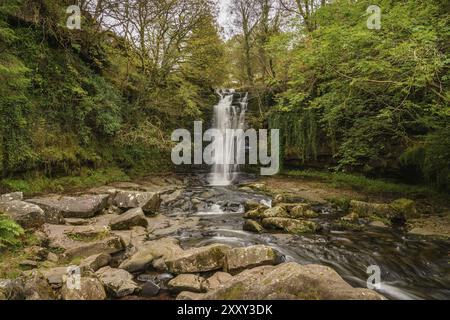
x=229 y=113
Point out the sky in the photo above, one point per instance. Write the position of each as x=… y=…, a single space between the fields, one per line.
x=224 y=19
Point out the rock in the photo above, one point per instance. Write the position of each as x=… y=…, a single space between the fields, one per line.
x=37 y=287
x=90 y=289
x=77 y=221
x=11 y=289
x=289 y=281
x=109 y=245
x=404 y=208
x=118 y=282
x=367 y=209
x=28 y=264
x=351 y=217
x=52 y=257
x=238 y=259
x=56 y=276
x=131 y=218
x=302 y=210
x=112 y=210
x=165 y=248
x=252 y=226
x=199 y=259
x=278 y=199
x=149 y=289
x=276 y=211
x=85 y=206
x=186 y=295
x=148 y=201
x=95 y=262
x=36 y=252
x=378 y=224
x=291 y=225
x=216 y=280
x=186 y=282
x=134 y=237
x=26 y=214
x=11 y=196
x=255 y=213
x=251 y=204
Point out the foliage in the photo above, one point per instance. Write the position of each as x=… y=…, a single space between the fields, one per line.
x=10 y=232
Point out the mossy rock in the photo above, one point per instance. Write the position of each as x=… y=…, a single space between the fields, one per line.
x=405 y=208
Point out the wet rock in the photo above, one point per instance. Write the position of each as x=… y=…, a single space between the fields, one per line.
x=11 y=289
x=302 y=210
x=131 y=218
x=150 y=289
x=290 y=225
x=186 y=295
x=118 y=282
x=252 y=226
x=216 y=280
x=90 y=289
x=199 y=259
x=186 y=282
x=165 y=248
x=11 y=196
x=26 y=214
x=290 y=281
x=238 y=259
x=148 y=201
x=95 y=262
x=85 y=206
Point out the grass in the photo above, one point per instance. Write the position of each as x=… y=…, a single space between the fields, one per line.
x=88 y=178
x=364 y=184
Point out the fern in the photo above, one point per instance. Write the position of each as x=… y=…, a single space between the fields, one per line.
x=10 y=232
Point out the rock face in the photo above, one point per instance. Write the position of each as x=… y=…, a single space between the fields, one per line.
x=148 y=201
x=290 y=225
x=238 y=259
x=216 y=280
x=85 y=206
x=186 y=282
x=131 y=218
x=90 y=289
x=201 y=259
x=118 y=282
x=26 y=214
x=152 y=251
x=290 y=281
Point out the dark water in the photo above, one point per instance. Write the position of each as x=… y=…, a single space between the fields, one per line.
x=412 y=267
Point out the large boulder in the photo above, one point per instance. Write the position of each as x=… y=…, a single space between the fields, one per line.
x=118 y=282
x=148 y=201
x=95 y=262
x=290 y=225
x=90 y=289
x=201 y=259
x=131 y=218
x=85 y=206
x=289 y=281
x=26 y=214
x=152 y=251
x=238 y=259
x=186 y=282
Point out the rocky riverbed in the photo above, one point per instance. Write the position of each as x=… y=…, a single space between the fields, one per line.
x=174 y=237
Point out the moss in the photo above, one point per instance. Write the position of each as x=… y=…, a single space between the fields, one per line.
x=233 y=293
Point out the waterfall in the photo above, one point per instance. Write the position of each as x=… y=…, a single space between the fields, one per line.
x=229 y=113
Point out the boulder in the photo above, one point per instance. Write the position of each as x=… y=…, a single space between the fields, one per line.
x=52 y=257
x=351 y=217
x=90 y=289
x=131 y=218
x=158 y=250
x=278 y=198
x=404 y=208
x=28 y=264
x=37 y=287
x=290 y=225
x=11 y=196
x=150 y=289
x=186 y=295
x=251 y=204
x=56 y=276
x=118 y=282
x=109 y=245
x=252 y=226
x=255 y=213
x=216 y=280
x=95 y=262
x=367 y=209
x=302 y=210
x=148 y=201
x=11 y=289
x=198 y=259
x=289 y=281
x=238 y=259
x=186 y=282
x=26 y=214
x=85 y=206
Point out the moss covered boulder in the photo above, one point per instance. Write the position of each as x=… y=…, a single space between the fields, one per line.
x=294 y=226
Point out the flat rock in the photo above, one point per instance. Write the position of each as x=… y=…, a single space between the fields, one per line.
x=200 y=259
x=290 y=281
x=26 y=214
x=118 y=282
x=186 y=282
x=131 y=218
x=238 y=259
x=89 y=289
x=85 y=206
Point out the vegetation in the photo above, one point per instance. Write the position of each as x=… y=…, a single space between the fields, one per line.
x=10 y=232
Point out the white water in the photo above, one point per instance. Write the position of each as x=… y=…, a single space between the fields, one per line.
x=227 y=116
